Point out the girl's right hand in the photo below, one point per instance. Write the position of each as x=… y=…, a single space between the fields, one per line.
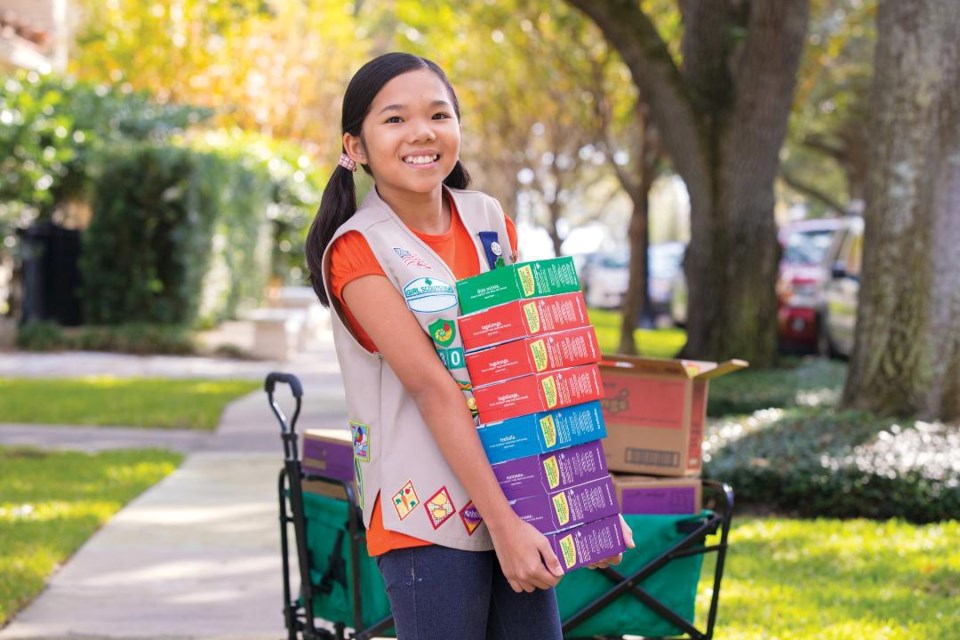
x=526 y=557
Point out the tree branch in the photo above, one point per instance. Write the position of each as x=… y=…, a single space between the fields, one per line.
x=654 y=72
x=810 y=191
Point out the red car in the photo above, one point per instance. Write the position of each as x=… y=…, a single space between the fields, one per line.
x=800 y=283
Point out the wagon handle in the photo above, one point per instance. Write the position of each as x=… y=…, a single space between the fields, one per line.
x=287 y=429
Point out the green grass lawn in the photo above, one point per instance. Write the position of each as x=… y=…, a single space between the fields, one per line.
x=837 y=579
x=50 y=503
x=654 y=343
x=107 y=400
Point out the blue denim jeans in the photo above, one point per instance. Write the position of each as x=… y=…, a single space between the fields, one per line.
x=437 y=593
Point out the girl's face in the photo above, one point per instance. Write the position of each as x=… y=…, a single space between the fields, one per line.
x=410 y=139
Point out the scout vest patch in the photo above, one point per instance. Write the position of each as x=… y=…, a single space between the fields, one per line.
x=471 y=518
x=361 y=440
x=411 y=258
x=405 y=500
x=440 y=508
x=444 y=332
x=429 y=295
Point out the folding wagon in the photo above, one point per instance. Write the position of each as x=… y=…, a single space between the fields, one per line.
x=341 y=594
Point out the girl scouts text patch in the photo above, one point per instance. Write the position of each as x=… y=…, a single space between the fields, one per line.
x=429 y=295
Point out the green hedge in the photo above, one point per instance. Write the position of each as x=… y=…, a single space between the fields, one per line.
x=815 y=461
x=141 y=339
x=178 y=235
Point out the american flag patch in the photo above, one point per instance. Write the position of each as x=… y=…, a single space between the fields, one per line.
x=411 y=258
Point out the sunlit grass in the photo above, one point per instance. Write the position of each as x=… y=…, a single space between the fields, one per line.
x=50 y=503
x=836 y=579
x=654 y=343
x=108 y=400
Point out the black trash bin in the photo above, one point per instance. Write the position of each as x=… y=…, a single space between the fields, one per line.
x=51 y=274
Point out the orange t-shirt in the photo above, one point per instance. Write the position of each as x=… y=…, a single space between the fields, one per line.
x=351 y=258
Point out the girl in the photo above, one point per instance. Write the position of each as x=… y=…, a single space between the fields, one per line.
x=456 y=561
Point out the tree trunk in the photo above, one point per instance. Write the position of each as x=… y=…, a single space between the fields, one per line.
x=636 y=300
x=722 y=119
x=906 y=357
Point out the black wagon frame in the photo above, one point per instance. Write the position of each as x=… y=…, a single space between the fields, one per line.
x=298 y=605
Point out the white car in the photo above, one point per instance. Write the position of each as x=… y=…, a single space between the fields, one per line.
x=605 y=276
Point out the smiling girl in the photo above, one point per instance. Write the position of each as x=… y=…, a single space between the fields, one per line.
x=457 y=562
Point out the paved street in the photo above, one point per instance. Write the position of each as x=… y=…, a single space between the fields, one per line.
x=197 y=555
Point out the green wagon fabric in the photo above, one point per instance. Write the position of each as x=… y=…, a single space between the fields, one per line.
x=674 y=584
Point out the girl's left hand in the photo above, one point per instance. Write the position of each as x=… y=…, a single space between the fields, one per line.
x=613 y=560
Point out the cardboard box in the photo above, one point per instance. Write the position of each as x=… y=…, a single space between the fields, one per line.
x=654 y=410
x=328 y=453
x=522 y=318
x=538 y=392
x=516 y=282
x=326 y=489
x=539 y=474
x=559 y=510
x=660 y=496
x=588 y=543
x=543 y=432
x=533 y=355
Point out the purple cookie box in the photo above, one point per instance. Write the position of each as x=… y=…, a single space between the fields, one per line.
x=588 y=543
x=328 y=458
x=570 y=507
x=528 y=476
x=660 y=501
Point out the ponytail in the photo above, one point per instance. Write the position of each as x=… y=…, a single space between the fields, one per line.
x=338 y=204
x=458 y=178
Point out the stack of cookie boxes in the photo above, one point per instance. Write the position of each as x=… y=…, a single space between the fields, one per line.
x=532 y=355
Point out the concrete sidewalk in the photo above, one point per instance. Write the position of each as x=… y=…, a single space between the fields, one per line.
x=198 y=554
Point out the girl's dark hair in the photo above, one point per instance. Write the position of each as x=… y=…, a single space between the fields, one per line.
x=339 y=200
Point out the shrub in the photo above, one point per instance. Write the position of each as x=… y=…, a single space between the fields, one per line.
x=810 y=382
x=175 y=232
x=41 y=336
x=819 y=462
x=127 y=338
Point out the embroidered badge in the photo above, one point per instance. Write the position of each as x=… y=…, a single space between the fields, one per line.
x=464 y=385
x=429 y=295
x=361 y=440
x=411 y=258
x=452 y=358
x=471 y=518
x=440 y=508
x=472 y=405
x=405 y=500
x=489 y=239
x=443 y=332
x=359 y=471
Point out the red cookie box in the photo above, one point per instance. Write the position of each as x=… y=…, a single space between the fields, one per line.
x=538 y=392
x=521 y=319
x=557 y=350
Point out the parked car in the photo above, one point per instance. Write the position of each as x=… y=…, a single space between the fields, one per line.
x=605 y=276
x=842 y=288
x=800 y=280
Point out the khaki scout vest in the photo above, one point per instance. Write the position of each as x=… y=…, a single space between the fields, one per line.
x=394 y=451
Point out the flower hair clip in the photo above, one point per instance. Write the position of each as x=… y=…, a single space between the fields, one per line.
x=347 y=162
